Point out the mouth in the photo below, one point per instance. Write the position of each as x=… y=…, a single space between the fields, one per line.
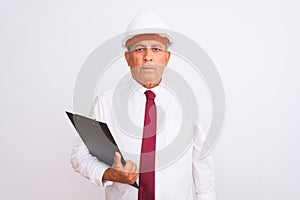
x=147 y=67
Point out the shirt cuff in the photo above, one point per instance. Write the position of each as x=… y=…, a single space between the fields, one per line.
x=98 y=174
x=206 y=196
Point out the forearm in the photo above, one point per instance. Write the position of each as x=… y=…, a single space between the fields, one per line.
x=87 y=165
x=203 y=173
x=204 y=180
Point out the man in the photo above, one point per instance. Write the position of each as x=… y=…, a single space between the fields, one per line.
x=156 y=115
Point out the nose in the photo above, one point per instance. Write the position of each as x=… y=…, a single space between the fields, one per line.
x=148 y=56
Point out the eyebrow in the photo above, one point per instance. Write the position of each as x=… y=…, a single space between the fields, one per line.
x=144 y=45
x=158 y=44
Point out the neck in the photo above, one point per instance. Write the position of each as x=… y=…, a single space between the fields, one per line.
x=150 y=85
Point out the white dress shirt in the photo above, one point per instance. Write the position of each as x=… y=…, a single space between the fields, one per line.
x=185 y=176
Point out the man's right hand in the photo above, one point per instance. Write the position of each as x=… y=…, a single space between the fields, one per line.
x=119 y=173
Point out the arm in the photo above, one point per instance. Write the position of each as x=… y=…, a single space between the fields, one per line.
x=203 y=175
x=87 y=165
x=98 y=172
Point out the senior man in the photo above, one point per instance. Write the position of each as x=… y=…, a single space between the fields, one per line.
x=154 y=108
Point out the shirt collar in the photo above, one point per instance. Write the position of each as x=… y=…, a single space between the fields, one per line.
x=139 y=90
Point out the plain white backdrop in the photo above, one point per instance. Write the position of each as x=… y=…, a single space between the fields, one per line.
x=254 y=45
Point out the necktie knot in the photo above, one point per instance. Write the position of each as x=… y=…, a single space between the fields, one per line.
x=150 y=95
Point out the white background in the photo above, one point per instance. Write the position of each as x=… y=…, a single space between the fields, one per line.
x=254 y=45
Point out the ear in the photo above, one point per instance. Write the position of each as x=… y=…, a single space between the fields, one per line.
x=127 y=57
x=167 y=57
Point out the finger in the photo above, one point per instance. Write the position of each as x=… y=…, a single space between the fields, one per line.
x=117 y=161
x=130 y=166
x=134 y=168
x=135 y=176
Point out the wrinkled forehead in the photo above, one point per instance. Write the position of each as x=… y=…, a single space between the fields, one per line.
x=148 y=43
x=146 y=38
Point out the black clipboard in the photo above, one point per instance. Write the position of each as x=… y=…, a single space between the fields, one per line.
x=97 y=138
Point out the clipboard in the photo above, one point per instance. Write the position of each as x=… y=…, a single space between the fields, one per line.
x=97 y=138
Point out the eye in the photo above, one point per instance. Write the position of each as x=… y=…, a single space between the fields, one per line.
x=156 y=49
x=141 y=49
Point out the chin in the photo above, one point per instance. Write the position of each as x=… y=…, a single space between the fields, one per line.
x=150 y=81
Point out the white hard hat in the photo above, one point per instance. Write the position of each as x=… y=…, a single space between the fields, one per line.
x=146 y=23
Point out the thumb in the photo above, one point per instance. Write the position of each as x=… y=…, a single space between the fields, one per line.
x=117 y=161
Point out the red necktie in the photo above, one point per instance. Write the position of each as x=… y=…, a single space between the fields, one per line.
x=147 y=159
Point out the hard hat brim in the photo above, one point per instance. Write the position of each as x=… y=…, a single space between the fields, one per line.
x=161 y=32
